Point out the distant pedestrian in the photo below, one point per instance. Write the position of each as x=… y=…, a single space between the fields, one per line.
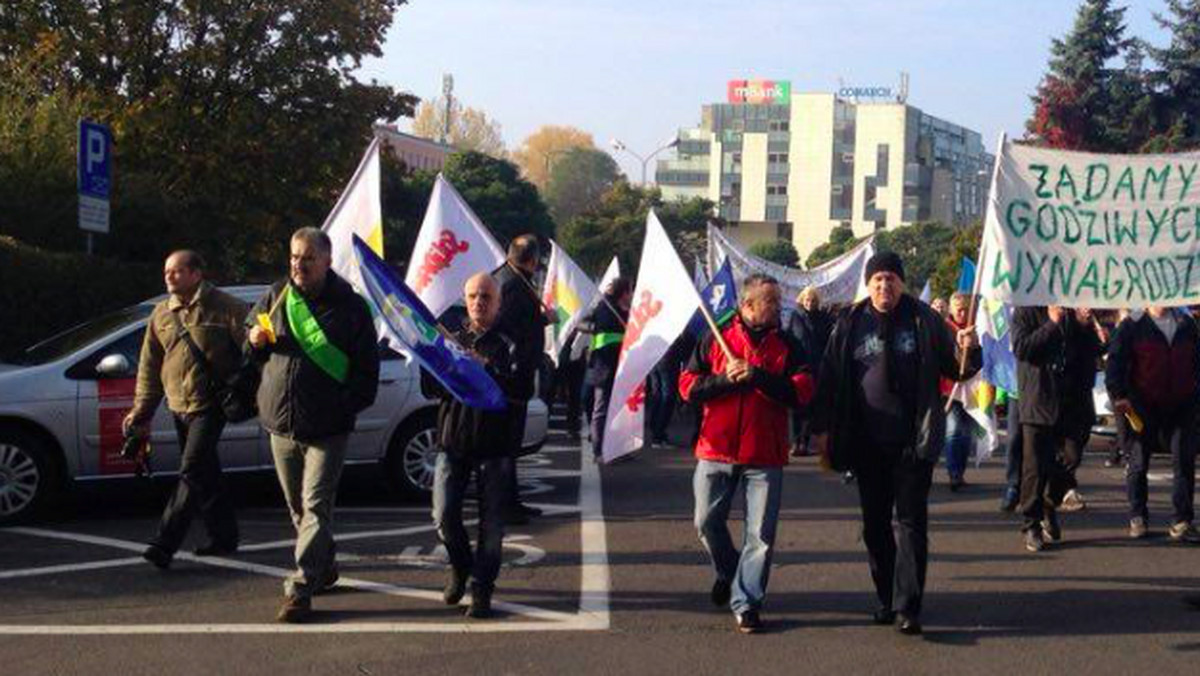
x=316 y=342
x=745 y=398
x=960 y=428
x=606 y=326
x=192 y=345
x=809 y=327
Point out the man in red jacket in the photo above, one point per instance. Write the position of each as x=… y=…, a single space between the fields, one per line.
x=746 y=394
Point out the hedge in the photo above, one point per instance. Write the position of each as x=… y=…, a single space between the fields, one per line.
x=43 y=292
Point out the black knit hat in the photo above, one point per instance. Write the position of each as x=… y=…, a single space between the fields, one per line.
x=884 y=261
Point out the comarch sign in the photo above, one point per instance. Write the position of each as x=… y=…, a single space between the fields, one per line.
x=760 y=91
x=865 y=92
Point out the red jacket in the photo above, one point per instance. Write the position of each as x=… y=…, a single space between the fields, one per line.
x=746 y=423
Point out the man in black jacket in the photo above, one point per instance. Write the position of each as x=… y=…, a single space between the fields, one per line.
x=879 y=411
x=607 y=329
x=473 y=441
x=316 y=341
x=524 y=319
x=1153 y=377
x=1056 y=350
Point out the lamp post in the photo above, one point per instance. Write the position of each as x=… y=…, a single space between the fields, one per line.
x=619 y=146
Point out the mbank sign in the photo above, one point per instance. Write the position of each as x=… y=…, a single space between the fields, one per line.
x=760 y=91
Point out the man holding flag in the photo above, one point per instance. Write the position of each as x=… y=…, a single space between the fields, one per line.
x=316 y=341
x=746 y=378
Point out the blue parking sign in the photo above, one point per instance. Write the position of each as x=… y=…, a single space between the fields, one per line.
x=95 y=175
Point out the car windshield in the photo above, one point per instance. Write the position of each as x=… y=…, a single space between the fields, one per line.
x=61 y=345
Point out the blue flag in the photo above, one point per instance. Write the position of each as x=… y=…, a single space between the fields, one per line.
x=408 y=321
x=993 y=321
x=721 y=297
x=966 y=276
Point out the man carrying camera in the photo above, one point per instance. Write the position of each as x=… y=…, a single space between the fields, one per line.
x=193 y=342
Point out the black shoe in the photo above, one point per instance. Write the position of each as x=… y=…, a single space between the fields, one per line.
x=909 y=626
x=329 y=581
x=883 y=616
x=1192 y=600
x=456 y=586
x=957 y=484
x=216 y=549
x=721 y=591
x=481 y=605
x=749 y=622
x=1009 y=502
x=160 y=557
x=513 y=517
x=530 y=511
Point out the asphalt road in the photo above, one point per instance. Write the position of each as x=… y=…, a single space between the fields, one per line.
x=612 y=580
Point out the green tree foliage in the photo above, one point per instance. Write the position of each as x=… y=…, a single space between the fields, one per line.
x=1074 y=105
x=964 y=244
x=233 y=122
x=617 y=226
x=1179 y=74
x=578 y=179
x=922 y=247
x=841 y=240
x=507 y=204
x=778 y=251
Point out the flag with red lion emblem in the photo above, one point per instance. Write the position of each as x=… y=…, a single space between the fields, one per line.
x=663 y=303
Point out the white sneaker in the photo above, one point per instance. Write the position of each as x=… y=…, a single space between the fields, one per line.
x=1073 y=502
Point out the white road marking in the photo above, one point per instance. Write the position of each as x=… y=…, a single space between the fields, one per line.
x=595 y=583
x=70 y=568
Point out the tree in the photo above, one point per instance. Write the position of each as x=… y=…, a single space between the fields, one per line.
x=470 y=128
x=542 y=149
x=508 y=204
x=1074 y=104
x=922 y=248
x=965 y=244
x=1180 y=68
x=841 y=240
x=578 y=180
x=233 y=123
x=617 y=226
x=778 y=251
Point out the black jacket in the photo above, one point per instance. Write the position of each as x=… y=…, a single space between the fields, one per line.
x=810 y=331
x=1056 y=371
x=1161 y=380
x=297 y=399
x=603 y=355
x=475 y=433
x=835 y=407
x=521 y=319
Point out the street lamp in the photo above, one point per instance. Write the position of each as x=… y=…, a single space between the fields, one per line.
x=618 y=146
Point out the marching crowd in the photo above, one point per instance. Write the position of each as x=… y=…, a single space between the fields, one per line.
x=865 y=388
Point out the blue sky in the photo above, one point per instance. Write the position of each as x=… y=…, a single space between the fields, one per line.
x=639 y=70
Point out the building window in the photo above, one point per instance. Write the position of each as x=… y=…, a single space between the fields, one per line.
x=777 y=190
x=737 y=158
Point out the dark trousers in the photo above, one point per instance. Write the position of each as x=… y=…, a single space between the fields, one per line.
x=892 y=482
x=517 y=432
x=600 y=395
x=200 y=486
x=1180 y=437
x=661 y=404
x=1047 y=472
x=451 y=477
x=1016 y=448
x=570 y=387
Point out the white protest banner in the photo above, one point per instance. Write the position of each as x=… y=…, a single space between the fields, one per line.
x=453 y=245
x=1092 y=230
x=663 y=303
x=569 y=292
x=357 y=212
x=837 y=281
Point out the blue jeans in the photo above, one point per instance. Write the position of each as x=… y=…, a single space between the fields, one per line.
x=959 y=439
x=451 y=475
x=714 y=485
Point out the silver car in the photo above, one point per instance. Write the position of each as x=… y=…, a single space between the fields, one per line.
x=62 y=402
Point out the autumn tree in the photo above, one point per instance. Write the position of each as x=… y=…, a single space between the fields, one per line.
x=578 y=180
x=470 y=128
x=545 y=147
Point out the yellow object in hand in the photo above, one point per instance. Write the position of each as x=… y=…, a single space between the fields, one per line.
x=264 y=321
x=1135 y=421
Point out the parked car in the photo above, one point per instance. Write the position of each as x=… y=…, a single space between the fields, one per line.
x=62 y=402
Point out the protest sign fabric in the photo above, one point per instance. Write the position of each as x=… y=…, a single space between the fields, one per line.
x=1092 y=230
x=569 y=292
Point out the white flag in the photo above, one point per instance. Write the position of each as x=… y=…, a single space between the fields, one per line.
x=664 y=301
x=357 y=212
x=927 y=293
x=452 y=246
x=612 y=272
x=569 y=292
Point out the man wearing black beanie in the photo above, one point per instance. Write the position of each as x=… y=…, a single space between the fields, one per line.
x=878 y=411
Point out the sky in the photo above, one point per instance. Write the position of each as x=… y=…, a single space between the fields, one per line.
x=639 y=70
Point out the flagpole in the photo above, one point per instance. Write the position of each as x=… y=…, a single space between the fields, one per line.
x=716 y=330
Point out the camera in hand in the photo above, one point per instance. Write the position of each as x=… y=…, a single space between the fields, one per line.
x=131 y=448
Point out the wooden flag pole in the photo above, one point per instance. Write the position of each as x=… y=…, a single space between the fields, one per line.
x=712 y=324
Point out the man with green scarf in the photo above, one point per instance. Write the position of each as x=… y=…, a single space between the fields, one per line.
x=316 y=342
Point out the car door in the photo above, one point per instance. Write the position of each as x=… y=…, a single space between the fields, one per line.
x=105 y=399
x=374 y=425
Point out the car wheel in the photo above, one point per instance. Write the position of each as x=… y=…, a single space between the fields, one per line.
x=412 y=456
x=25 y=476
